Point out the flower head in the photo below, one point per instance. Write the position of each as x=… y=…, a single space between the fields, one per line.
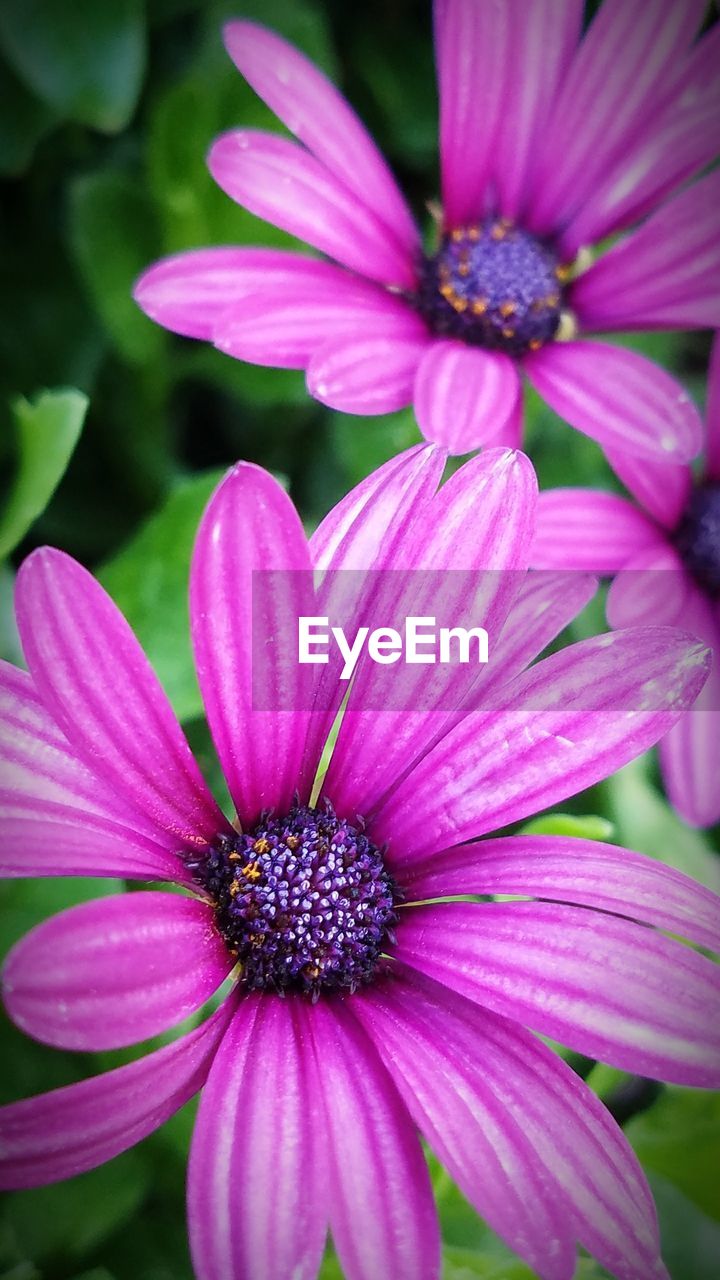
x=551 y=142
x=665 y=550
x=364 y=1006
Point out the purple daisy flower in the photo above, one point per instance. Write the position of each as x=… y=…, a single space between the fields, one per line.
x=550 y=141
x=668 y=549
x=357 y=1020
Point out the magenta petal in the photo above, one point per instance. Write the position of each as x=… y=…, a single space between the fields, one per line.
x=604 y=986
x=60 y=1134
x=470 y=43
x=690 y=764
x=712 y=442
x=474 y=1081
x=370 y=374
x=312 y=108
x=545 y=604
x=464 y=396
x=660 y=487
x=617 y=80
x=250 y=525
x=97 y=683
x=226 y=295
x=542 y=40
x=283 y=328
x=382 y=1214
x=584 y=529
x=122 y=969
x=664 y=275
x=283 y=183
x=584 y=872
x=482 y=519
x=56 y=816
x=256 y=1197
x=569 y=721
x=618 y=397
x=653 y=586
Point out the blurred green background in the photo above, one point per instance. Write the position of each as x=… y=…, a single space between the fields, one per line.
x=112 y=435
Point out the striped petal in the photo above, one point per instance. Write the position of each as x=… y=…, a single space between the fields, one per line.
x=256 y=1203
x=96 y=682
x=464 y=396
x=603 y=986
x=370 y=373
x=122 y=969
x=569 y=721
x=250 y=580
x=665 y=275
x=283 y=183
x=617 y=397
x=61 y=1134
x=583 y=529
x=586 y=873
x=311 y=107
x=712 y=442
x=660 y=487
x=382 y=1214
x=475 y=1082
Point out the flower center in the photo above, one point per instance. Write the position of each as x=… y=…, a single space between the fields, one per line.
x=493 y=285
x=697 y=537
x=304 y=902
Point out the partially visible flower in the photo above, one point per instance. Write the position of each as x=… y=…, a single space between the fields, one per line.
x=669 y=546
x=358 y=1017
x=550 y=141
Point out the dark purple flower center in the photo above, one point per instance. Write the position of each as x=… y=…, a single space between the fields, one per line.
x=303 y=901
x=698 y=537
x=493 y=285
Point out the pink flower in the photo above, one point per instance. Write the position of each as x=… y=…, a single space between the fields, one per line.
x=550 y=141
x=668 y=548
x=395 y=1018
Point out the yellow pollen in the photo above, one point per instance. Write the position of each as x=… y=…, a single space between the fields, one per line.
x=292 y=842
x=508 y=331
x=262 y=845
x=507 y=309
x=535 y=344
x=464 y=269
x=498 y=231
x=447 y=291
x=552 y=299
x=479 y=307
x=458 y=235
x=473 y=233
x=251 y=871
x=563 y=272
x=256 y=939
x=459 y=304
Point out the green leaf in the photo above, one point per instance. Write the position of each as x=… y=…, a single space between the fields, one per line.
x=10 y=648
x=113 y=237
x=73 y=1218
x=679 y=1138
x=47 y=431
x=646 y=822
x=84 y=59
x=23 y=121
x=362 y=444
x=149 y=582
x=582 y=827
x=690 y=1240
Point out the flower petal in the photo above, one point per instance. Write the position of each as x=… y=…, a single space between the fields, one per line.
x=565 y=1154
x=617 y=81
x=243 y=620
x=665 y=275
x=96 y=682
x=569 y=721
x=470 y=43
x=653 y=587
x=618 y=397
x=283 y=330
x=604 y=986
x=57 y=817
x=255 y=1191
x=222 y=295
x=545 y=604
x=690 y=764
x=660 y=487
x=373 y=374
x=481 y=530
x=464 y=396
x=283 y=183
x=712 y=443
x=582 y=872
x=111 y=973
x=584 y=529
x=382 y=1215
x=60 y=1134
x=311 y=107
